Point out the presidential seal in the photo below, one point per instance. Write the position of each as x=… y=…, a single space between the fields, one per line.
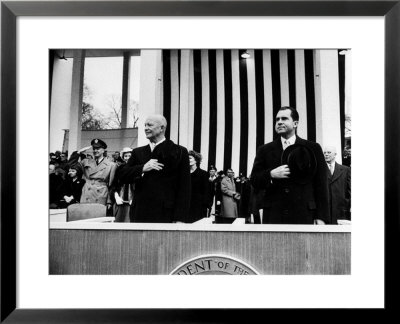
x=214 y=265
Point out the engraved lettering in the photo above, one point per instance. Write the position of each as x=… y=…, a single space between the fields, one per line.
x=189 y=267
x=199 y=266
x=209 y=263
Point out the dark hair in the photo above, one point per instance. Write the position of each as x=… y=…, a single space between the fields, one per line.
x=78 y=168
x=197 y=156
x=293 y=112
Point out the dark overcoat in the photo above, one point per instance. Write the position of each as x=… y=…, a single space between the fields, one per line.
x=72 y=188
x=160 y=196
x=340 y=192
x=286 y=201
x=199 y=200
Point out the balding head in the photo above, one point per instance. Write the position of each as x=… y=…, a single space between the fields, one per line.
x=154 y=127
x=330 y=154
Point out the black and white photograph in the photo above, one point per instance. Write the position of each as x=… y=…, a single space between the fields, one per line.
x=201 y=161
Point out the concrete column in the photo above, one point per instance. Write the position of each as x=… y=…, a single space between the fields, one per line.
x=60 y=102
x=327 y=112
x=75 y=124
x=125 y=90
x=150 y=89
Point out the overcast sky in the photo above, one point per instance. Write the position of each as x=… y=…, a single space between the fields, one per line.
x=104 y=78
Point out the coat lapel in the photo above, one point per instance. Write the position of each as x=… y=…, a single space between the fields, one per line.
x=97 y=168
x=338 y=171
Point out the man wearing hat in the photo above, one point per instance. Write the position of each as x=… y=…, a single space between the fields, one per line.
x=161 y=175
x=98 y=173
x=293 y=173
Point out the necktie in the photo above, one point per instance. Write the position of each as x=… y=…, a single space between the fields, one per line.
x=331 y=168
x=285 y=144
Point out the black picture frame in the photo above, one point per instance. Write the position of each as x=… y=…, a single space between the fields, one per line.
x=10 y=10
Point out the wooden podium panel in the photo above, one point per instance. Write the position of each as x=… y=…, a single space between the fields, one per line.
x=114 y=250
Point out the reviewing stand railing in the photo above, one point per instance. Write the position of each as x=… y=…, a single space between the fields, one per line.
x=100 y=246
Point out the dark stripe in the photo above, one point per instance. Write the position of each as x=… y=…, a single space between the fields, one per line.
x=197 y=100
x=342 y=84
x=258 y=66
x=179 y=92
x=179 y=69
x=292 y=78
x=212 y=64
x=310 y=94
x=244 y=115
x=51 y=66
x=228 y=109
x=276 y=85
x=167 y=88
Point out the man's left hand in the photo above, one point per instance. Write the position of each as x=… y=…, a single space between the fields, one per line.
x=319 y=222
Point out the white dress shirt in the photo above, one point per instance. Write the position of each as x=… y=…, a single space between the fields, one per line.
x=288 y=142
x=153 y=145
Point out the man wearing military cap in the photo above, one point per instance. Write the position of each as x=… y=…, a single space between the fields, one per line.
x=293 y=173
x=98 y=173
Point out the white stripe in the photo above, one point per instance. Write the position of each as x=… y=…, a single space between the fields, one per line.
x=219 y=160
x=252 y=112
x=284 y=76
x=268 y=101
x=235 y=111
x=184 y=99
x=205 y=121
x=301 y=99
x=191 y=103
x=174 y=97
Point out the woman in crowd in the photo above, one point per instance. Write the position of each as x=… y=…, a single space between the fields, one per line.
x=72 y=187
x=122 y=194
x=199 y=194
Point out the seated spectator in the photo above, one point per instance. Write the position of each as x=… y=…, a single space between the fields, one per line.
x=55 y=183
x=71 y=189
x=58 y=154
x=63 y=163
x=52 y=157
x=122 y=194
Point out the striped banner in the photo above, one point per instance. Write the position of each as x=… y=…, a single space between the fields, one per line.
x=224 y=106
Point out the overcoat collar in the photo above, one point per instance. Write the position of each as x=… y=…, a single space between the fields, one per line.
x=97 y=168
x=336 y=174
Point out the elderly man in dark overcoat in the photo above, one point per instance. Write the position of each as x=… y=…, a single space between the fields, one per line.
x=160 y=172
x=295 y=193
x=339 y=181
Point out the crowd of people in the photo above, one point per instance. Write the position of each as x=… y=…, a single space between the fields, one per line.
x=293 y=181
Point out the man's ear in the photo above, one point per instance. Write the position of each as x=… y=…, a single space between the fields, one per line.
x=296 y=123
